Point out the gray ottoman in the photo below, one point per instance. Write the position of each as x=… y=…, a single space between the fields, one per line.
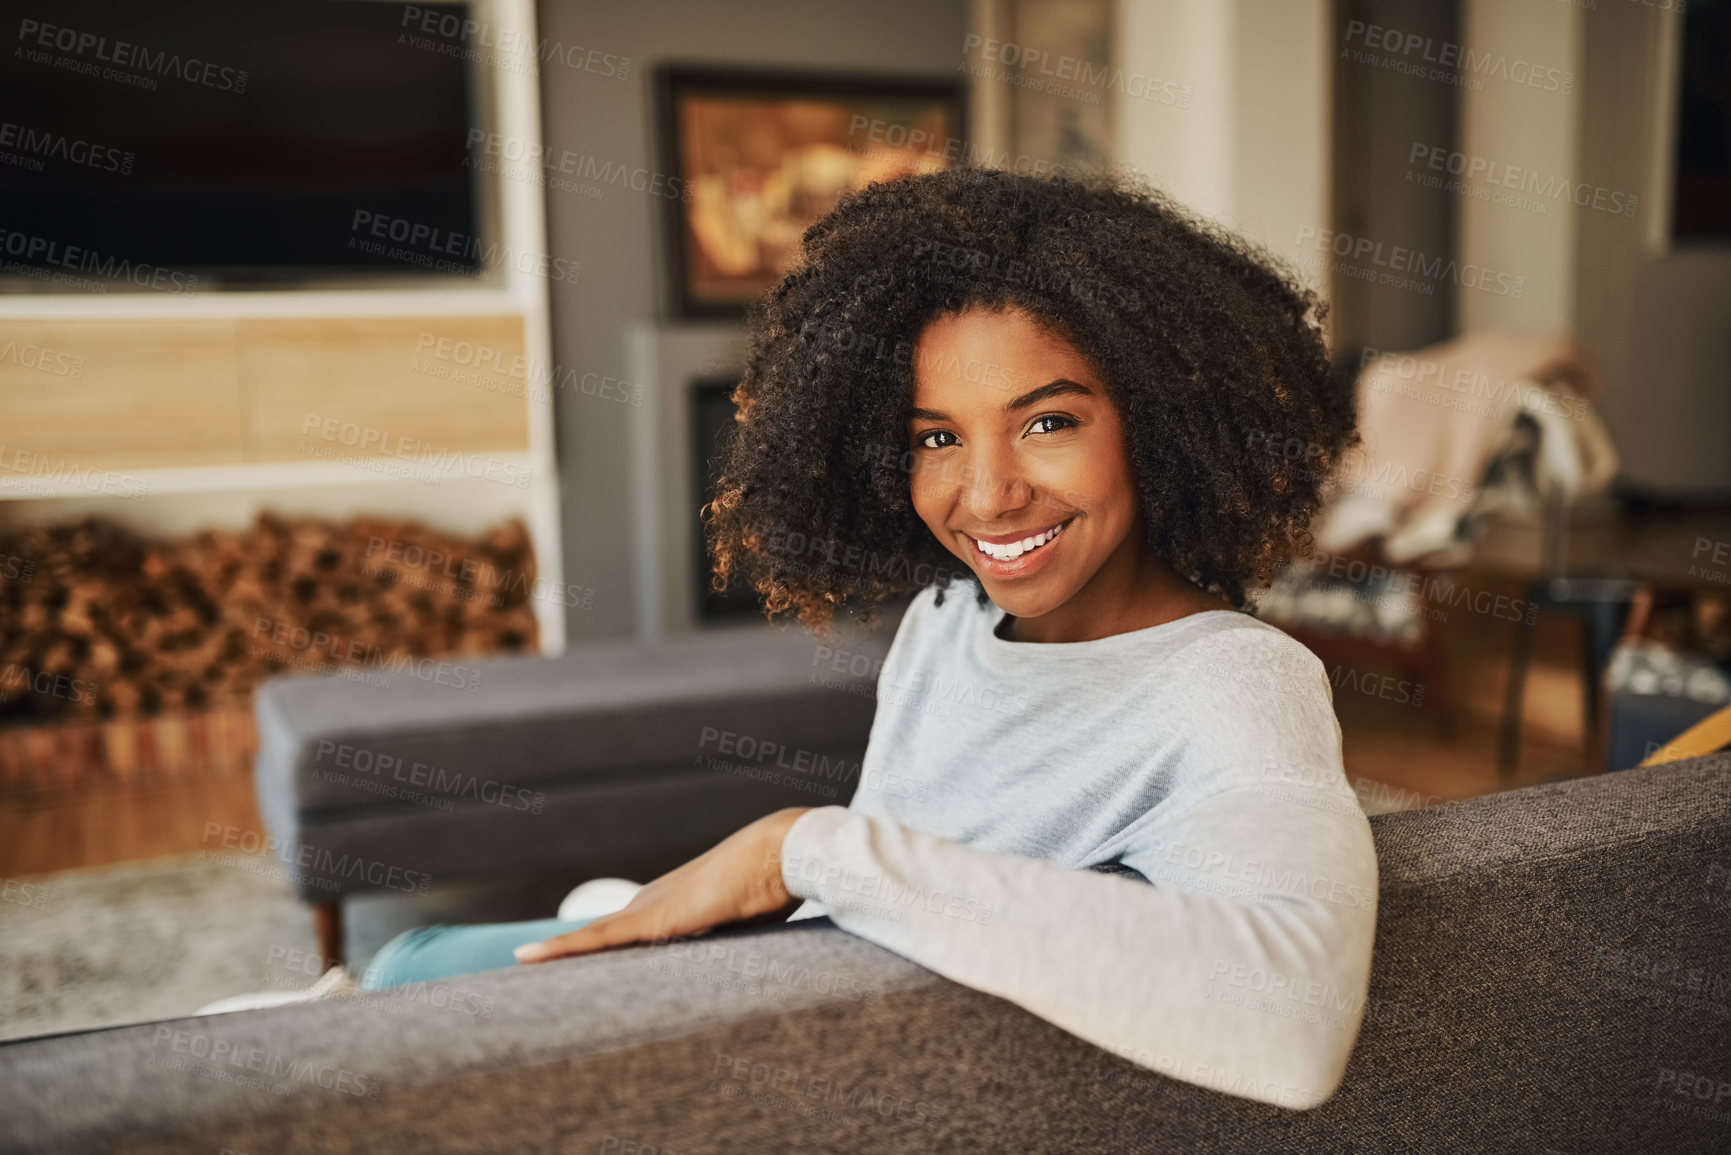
x=617 y=758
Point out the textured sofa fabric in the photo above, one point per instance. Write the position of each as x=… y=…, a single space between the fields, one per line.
x=572 y=761
x=1552 y=973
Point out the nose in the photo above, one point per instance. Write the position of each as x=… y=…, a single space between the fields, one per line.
x=993 y=486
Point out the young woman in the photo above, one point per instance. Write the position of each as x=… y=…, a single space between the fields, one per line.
x=1118 y=799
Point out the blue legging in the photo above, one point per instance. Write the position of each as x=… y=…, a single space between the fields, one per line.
x=438 y=952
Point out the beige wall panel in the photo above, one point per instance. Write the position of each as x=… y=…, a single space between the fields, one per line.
x=119 y=394
x=455 y=383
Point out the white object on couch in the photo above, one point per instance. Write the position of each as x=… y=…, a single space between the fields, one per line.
x=597 y=897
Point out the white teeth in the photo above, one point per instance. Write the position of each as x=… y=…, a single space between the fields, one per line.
x=1016 y=549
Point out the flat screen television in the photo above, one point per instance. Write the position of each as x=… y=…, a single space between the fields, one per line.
x=237 y=141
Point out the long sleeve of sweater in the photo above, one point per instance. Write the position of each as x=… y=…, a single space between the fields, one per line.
x=1203 y=756
x=1243 y=966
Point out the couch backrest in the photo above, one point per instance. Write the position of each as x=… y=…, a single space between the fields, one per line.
x=1552 y=973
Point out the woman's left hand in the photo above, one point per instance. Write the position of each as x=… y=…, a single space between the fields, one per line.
x=738 y=879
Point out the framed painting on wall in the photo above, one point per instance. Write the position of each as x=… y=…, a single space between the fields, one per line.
x=760 y=156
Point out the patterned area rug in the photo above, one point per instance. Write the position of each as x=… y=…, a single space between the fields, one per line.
x=143 y=941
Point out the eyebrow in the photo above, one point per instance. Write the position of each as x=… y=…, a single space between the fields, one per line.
x=1062 y=387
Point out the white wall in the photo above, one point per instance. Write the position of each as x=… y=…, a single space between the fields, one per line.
x=1252 y=148
x=1185 y=148
x=1284 y=137
x=1512 y=125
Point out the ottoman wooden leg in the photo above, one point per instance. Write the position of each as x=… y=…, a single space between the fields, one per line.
x=328 y=923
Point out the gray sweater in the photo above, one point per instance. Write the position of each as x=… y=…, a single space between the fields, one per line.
x=1146 y=839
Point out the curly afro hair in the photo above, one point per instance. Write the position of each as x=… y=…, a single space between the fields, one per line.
x=1213 y=356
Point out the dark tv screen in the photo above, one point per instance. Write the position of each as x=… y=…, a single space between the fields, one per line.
x=236 y=139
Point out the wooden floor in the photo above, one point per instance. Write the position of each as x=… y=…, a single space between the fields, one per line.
x=1393 y=748
x=64 y=829
x=1400 y=747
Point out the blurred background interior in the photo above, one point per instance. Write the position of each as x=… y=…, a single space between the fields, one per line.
x=391 y=338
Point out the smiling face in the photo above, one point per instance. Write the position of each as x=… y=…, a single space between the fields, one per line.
x=1020 y=469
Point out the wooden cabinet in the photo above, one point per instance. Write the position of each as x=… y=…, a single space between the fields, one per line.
x=143 y=394
x=121 y=394
x=438 y=383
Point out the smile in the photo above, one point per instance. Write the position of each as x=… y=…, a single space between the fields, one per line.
x=1010 y=551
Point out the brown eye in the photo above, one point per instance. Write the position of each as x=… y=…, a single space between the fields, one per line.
x=1051 y=423
x=924 y=440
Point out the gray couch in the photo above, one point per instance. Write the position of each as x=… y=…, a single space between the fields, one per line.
x=615 y=759
x=1552 y=974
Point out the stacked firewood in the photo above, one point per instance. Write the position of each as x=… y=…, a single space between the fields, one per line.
x=97 y=622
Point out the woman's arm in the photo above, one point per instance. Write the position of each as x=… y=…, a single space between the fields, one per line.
x=737 y=880
x=1242 y=965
